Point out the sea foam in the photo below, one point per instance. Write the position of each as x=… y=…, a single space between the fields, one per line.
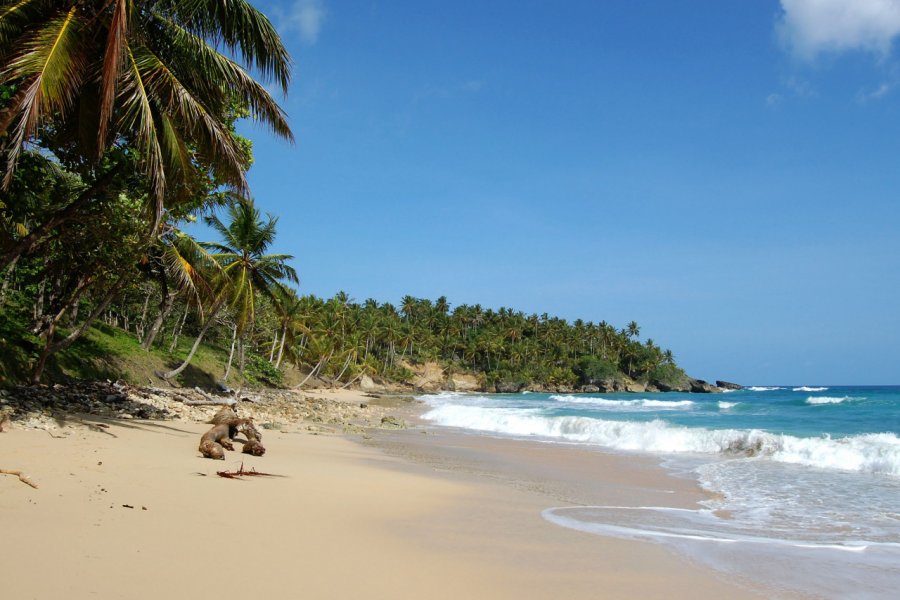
x=804 y=388
x=830 y=399
x=639 y=403
x=870 y=453
x=762 y=388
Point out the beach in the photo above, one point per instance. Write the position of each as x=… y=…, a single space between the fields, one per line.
x=131 y=510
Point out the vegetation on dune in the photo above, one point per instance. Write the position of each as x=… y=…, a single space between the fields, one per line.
x=117 y=127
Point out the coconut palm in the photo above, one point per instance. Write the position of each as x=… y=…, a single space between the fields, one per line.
x=246 y=268
x=153 y=75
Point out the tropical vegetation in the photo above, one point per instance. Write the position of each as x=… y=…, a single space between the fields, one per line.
x=117 y=130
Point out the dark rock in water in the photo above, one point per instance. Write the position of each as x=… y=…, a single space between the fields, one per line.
x=698 y=386
x=727 y=385
x=609 y=385
x=509 y=387
x=669 y=387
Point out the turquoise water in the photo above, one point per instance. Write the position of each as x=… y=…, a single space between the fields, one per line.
x=806 y=479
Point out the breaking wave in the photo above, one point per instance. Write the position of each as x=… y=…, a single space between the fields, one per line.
x=830 y=399
x=762 y=388
x=869 y=453
x=640 y=403
x=726 y=405
x=804 y=388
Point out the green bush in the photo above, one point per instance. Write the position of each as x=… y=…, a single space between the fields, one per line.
x=593 y=368
x=260 y=370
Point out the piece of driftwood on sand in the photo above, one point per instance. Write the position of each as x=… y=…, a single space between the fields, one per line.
x=22 y=476
x=242 y=473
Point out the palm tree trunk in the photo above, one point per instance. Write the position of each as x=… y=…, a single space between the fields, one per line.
x=346 y=364
x=177 y=330
x=209 y=321
x=230 y=353
x=272 y=349
x=241 y=357
x=165 y=308
x=281 y=347
x=319 y=364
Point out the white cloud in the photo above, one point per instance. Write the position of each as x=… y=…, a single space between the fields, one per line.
x=773 y=100
x=810 y=27
x=304 y=17
x=877 y=94
x=473 y=85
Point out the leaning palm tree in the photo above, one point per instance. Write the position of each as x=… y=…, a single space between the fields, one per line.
x=155 y=76
x=247 y=270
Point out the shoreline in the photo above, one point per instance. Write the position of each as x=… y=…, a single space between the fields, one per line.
x=399 y=515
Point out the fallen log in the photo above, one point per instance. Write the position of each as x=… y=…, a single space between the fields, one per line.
x=23 y=477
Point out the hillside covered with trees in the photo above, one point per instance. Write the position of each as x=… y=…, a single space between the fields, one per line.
x=117 y=129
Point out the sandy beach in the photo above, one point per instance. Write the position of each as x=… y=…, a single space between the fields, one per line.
x=132 y=511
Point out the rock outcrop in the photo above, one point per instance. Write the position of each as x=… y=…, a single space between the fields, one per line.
x=727 y=385
x=698 y=386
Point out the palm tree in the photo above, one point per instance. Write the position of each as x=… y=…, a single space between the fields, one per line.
x=92 y=75
x=246 y=267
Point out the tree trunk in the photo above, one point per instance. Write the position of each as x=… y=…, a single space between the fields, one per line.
x=143 y=321
x=38 y=311
x=51 y=348
x=344 y=368
x=165 y=308
x=177 y=330
x=6 y=279
x=230 y=353
x=209 y=321
x=281 y=347
x=272 y=349
x=241 y=358
x=319 y=364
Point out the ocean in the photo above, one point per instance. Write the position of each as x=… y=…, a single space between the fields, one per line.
x=804 y=480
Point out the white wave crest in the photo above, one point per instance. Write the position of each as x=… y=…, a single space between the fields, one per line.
x=762 y=388
x=804 y=388
x=830 y=399
x=640 y=403
x=726 y=405
x=873 y=453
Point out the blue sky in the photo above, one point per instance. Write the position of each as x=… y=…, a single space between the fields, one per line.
x=723 y=172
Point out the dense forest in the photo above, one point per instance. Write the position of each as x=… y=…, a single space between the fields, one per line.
x=117 y=128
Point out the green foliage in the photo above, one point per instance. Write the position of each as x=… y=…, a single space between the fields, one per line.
x=259 y=370
x=591 y=369
x=669 y=375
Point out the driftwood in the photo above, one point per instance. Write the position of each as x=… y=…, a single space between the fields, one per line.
x=242 y=473
x=23 y=477
x=226 y=425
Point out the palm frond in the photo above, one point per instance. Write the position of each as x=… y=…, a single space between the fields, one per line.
x=213 y=137
x=113 y=63
x=138 y=116
x=51 y=65
x=200 y=61
x=243 y=29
